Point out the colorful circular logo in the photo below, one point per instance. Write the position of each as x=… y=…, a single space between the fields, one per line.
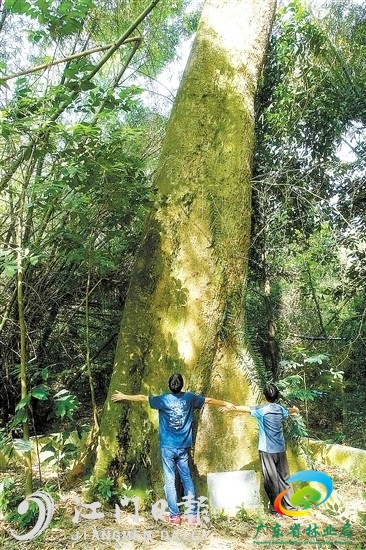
x=307 y=496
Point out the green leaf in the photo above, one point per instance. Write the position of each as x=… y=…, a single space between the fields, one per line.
x=6 y=483
x=66 y=404
x=87 y=85
x=45 y=373
x=316 y=359
x=48 y=460
x=65 y=7
x=40 y=392
x=17 y=6
x=19 y=418
x=22 y=445
x=37 y=36
x=61 y=409
x=65 y=435
x=69 y=447
x=10 y=269
x=43 y=4
x=60 y=393
x=71 y=71
x=49 y=447
x=22 y=404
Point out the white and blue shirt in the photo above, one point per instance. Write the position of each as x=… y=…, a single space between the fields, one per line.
x=176 y=417
x=270 y=416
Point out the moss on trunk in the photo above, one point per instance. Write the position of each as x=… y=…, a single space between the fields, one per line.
x=184 y=309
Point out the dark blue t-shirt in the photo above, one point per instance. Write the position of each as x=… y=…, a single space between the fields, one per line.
x=176 y=417
x=270 y=417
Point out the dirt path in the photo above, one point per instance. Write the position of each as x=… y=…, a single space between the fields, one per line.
x=340 y=524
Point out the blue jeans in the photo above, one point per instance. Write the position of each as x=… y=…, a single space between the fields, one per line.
x=172 y=457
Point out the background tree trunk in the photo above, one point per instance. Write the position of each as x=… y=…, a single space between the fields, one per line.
x=184 y=310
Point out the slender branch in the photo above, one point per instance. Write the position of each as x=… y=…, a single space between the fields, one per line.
x=338 y=311
x=317 y=306
x=67 y=65
x=120 y=41
x=15 y=165
x=117 y=79
x=22 y=323
x=8 y=309
x=87 y=360
x=81 y=370
x=305 y=337
x=2 y=19
x=71 y=57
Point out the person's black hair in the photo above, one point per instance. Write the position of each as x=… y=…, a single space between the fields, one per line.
x=176 y=382
x=271 y=392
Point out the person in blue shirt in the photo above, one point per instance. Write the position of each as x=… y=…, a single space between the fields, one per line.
x=271 y=446
x=175 y=435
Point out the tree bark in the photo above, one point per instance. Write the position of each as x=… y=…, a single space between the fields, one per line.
x=184 y=309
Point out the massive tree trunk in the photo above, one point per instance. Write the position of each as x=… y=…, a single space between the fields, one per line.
x=184 y=310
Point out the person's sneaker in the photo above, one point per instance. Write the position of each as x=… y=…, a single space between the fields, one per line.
x=190 y=520
x=173 y=520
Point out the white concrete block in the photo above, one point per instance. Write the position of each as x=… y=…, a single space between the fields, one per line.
x=230 y=491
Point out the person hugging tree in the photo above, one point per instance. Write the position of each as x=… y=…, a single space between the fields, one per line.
x=272 y=449
x=175 y=436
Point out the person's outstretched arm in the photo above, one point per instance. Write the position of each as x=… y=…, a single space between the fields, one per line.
x=219 y=403
x=246 y=409
x=119 y=396
x=242 y=409
x=236 y=408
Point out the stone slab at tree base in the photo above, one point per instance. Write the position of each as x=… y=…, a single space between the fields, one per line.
x=230 y=491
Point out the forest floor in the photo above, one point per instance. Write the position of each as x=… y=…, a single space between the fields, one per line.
x=341 y=524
